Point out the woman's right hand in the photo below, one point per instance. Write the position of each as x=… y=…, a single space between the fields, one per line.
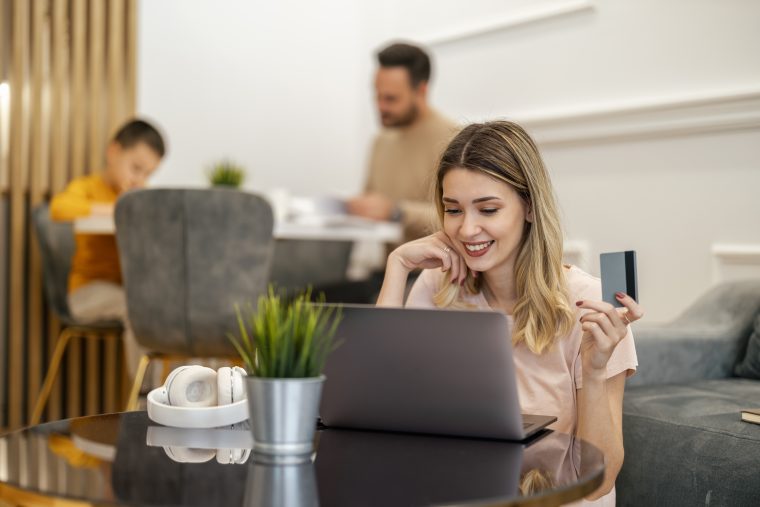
x=430 y=252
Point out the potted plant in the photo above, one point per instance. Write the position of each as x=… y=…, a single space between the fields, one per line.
x=226 y=174
x=284 y=345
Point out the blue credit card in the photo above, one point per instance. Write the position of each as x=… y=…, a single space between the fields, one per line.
x=618 y=270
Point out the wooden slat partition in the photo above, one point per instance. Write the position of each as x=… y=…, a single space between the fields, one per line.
x=78 y=149
x=111 y=397
x=131 y=52
x=92 y=389
x=36 y=185
x=71 y=78
x=18 y=161
x=59 y=156
x=116 y=57
x=78 y=60
x=96 y=136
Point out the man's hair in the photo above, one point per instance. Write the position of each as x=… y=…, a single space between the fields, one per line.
x=412 y=58
x=139 y=131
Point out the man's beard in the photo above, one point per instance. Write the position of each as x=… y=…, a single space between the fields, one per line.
x=406 y=119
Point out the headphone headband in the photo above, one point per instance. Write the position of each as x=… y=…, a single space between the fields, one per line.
x=192 y=417
x=226 y=438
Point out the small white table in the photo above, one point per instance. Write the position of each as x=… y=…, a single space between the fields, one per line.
x=317 y=228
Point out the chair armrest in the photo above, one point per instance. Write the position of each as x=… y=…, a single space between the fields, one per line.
x=705 y=342
x=674 y=355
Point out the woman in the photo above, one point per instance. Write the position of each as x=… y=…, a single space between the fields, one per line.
x=500 y=248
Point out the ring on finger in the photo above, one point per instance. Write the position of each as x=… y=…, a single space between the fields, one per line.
x=446 y=249
x=627 y=320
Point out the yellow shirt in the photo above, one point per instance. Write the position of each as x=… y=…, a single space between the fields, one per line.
x=96 y=256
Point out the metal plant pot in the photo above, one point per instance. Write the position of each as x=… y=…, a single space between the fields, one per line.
x=283 y=414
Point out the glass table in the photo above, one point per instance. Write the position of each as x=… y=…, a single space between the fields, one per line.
x=125 y=459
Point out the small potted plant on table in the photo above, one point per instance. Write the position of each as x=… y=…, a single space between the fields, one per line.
x=284 y=345
x=226 y=174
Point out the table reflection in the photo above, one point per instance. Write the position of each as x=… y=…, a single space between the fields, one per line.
x=128 y=460
x=413 y=470
x=270 y=485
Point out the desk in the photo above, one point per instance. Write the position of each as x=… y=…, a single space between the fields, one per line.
x=335 y=228
x=106 y=460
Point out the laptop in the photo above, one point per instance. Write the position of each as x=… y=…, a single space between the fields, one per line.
x=428 y=371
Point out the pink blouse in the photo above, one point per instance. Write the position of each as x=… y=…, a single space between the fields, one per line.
x=547 y=383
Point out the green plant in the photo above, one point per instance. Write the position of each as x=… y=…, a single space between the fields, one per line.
x=226 y=173
x=286 y=338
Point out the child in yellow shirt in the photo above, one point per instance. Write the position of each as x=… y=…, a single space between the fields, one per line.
x=95 y=290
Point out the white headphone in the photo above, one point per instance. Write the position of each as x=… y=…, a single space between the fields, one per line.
x=230 y=446
x=198 y=397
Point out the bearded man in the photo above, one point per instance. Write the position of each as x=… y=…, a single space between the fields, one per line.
x=405 y=152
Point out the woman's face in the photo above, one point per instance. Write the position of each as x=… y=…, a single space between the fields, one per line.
x=484 y=218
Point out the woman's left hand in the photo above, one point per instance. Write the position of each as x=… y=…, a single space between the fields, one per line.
x=603 y=328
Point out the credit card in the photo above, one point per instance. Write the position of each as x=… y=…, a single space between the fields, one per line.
x=618 y=270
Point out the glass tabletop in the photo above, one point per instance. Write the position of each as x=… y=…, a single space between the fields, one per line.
x=125 y=459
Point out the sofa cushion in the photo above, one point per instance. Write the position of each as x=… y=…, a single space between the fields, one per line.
x=686 y=444
x=749 y=367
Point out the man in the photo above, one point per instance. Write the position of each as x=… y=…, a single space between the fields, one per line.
x=405 y=153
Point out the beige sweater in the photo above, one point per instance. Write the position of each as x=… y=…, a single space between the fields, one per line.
x=402 y=166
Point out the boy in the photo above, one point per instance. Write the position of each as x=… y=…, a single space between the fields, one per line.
x=95 y=290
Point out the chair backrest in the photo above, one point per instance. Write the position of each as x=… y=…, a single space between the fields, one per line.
x=187 y=257
x=57 y=246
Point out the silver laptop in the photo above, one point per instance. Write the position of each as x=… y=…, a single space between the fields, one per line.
x=425 y=371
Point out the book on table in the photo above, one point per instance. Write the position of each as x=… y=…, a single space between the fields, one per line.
x=751 y=415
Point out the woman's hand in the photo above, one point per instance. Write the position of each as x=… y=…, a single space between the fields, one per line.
x=603 y=328
x=600 y=400
x=434 y=251
x=430 y=252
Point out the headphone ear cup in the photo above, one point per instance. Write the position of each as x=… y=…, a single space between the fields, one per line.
x=226 y=456
x=191 y=386
x=232 y=456
x=243 y=457
x=189 y=455
x=224 y=386
x=172 y=375
x=238 y=384
x=230 y=385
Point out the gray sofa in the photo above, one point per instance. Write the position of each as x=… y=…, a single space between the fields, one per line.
x=684 y=441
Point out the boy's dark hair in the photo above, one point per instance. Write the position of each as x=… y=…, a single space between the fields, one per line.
x=140 y=131
x=412 y=58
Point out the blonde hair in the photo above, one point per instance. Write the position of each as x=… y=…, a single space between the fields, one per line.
x=535 y=481
x=504 y=151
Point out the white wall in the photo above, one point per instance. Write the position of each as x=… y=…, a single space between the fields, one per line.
x=648 y=112
x=272 y=85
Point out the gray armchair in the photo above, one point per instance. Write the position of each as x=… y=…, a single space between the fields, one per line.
x=684 y=441
x=705 y=342
x=187 y=257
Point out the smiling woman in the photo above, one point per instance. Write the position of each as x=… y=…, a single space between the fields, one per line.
x=482 y=224
x=500 y=248
x=522 y=271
